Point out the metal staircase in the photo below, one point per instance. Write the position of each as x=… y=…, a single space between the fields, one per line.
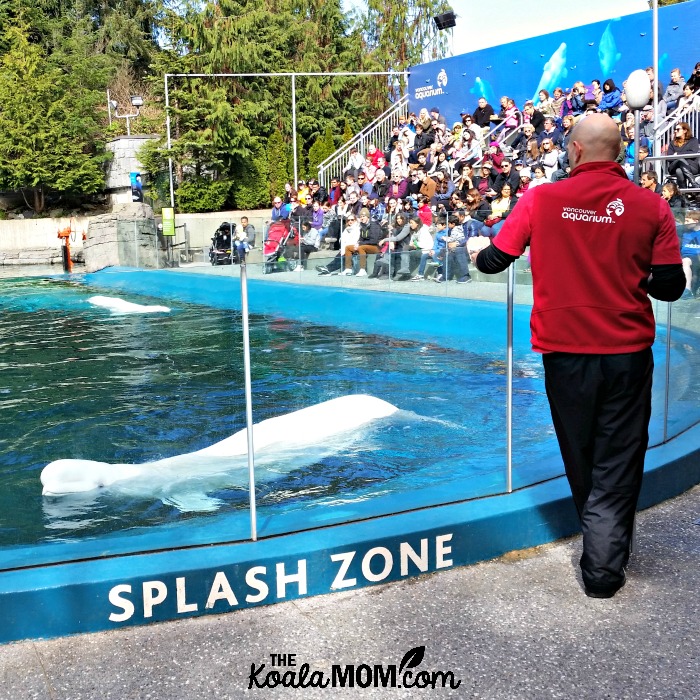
x=378 y=133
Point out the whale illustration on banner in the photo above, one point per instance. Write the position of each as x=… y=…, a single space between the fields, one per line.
x=554 y=72
x=281 y=444
x=120 y=306
x=608 y=55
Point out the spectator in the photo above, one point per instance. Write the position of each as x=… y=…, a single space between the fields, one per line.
x=508 y=175
x=550 y=132
x=597 y=92
x=422 y=240
x=478 y=209
x=549 y=157
x=363 y=183
x=454 y=254
x=334 y=192
x=373 y=154
x=688 y=102
x=533 y=116
x=501 y=207
x=355 y=162
x=398 y=186
x=482 y=114
x=468 y=123
x=349 y=235
x=279 y=210
x=318 y=192
x=690 y=254
x=397 y=242
x=694 y=80
x=425 y=213
x=310 y=242
x=684 y=143
x=539 y=176
x=444 y=187
x=611 y=102
x=650 y=181
x=435 y=114
x=525 y=179
x=546 y=105
x=674 y=91
x=519 y=145
x=370 y=233
x=248 y=232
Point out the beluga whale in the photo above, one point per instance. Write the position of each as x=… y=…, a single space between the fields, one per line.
x=281 y=444
x=121 y=306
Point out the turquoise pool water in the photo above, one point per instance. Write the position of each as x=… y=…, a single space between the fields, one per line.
x=78 y=381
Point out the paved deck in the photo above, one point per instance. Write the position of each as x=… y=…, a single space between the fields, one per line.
x=516 y=628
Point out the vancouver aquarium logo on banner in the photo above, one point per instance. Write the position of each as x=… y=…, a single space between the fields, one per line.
x=433 y=89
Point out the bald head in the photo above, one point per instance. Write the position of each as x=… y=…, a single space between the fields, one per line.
x=594 y=138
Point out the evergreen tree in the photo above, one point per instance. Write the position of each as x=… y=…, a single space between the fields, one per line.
x=49 y=131
x=277 y=164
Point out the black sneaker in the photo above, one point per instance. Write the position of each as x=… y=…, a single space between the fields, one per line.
x=322 y=270
x=464 y=280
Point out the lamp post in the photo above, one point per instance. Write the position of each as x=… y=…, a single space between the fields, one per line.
x=637 y=90
x=136 y=101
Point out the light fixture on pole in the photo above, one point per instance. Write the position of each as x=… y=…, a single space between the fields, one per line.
x=637 y=90
x=446 y=20
x=136 y=101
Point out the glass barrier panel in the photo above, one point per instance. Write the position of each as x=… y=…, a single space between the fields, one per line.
x=138 y=384
x=684 y=358
x=536 y=455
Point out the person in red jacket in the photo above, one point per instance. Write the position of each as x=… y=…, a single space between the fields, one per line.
x=599 y=246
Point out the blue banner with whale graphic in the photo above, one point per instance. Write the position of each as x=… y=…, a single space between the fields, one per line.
x=608 y=49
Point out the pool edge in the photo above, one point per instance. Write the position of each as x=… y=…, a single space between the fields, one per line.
x=90 y=596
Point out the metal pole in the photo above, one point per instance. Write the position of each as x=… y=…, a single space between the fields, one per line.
x=248 y=398
x=294 y=126
x=167 y=126
x=668 y=368
x=109 y=108
x=509 y=379
x=655 y=86
x=637 y=140
x=128 y=126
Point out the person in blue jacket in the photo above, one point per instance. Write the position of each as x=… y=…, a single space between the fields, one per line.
x=611 y=101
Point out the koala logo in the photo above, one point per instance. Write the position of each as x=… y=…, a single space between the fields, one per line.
x=615 y=207
x=442 y=78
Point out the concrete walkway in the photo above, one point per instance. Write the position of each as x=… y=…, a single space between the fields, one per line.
x=518 y=628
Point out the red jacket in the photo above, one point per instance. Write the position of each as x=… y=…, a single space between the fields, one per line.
x=575 y=227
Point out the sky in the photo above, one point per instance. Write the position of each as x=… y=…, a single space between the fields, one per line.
x=481 y=23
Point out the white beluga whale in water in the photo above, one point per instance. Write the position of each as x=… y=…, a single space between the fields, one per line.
x=121 y=306
x=281 y=444
x=554 y=72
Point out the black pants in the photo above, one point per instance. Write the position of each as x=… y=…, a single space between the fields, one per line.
x=601 y=406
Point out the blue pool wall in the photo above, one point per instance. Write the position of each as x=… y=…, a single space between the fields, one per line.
x=107 y=593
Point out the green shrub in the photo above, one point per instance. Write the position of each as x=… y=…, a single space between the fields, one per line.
x=201 y=194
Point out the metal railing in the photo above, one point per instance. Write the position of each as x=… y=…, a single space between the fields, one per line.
x=377 y=132
x=663 y=133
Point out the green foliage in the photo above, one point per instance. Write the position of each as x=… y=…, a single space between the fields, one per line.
x=347 y=132
x=251 y=185
x=277 y=164
x=201 y=194
x=49 y=131
x=323 y=147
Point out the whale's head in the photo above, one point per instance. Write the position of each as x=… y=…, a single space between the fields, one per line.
x=80 y=475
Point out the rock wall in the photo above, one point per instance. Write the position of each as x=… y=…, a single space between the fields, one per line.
x=126 y=237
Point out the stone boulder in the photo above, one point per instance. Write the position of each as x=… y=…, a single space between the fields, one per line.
x=126 y=237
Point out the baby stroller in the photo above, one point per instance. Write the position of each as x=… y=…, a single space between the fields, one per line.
x=279 y=235
x=221 y=251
